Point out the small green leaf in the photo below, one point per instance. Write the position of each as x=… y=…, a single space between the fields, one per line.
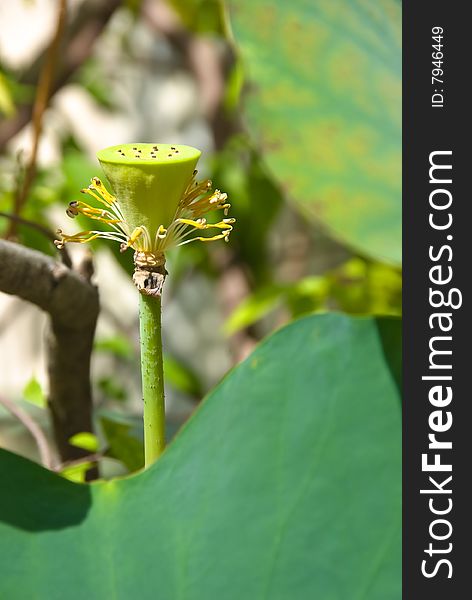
x=33 y=393
x=76 y=473
x=308 y=295
x=254 y=307
x=85 y=440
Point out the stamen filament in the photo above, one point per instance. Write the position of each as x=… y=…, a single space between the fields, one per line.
x=189 y=217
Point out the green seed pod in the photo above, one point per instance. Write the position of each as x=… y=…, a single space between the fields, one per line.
x=148 y=181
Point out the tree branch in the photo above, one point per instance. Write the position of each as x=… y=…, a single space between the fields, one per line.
x=41 y=229
x=43 y=91
x=72 y=304
x=34 y=429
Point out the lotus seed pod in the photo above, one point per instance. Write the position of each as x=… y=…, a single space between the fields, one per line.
x=148 y=181
x=156 y=203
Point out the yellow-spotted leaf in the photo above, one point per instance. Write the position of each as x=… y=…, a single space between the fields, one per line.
x=323 y=101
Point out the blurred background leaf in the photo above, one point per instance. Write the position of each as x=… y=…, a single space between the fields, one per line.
x=357 y=287
x=125 y=443
x=201 y=16
x=33 y=393
x=323 y=102
x=182 y=377
x=86 y=441
x=7 y=105
x=256 y=201
x=116 y=345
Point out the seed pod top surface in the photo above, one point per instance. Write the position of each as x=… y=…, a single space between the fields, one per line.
x=148 y=180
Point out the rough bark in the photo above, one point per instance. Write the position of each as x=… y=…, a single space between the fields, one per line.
x=72 y=304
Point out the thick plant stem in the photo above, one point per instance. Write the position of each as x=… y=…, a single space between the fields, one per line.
x=152 y=377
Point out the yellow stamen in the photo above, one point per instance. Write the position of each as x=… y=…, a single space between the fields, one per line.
x=96 y=196
x=220 y=236
x=138 y=232
x=161 y=232
x=196 y=202
x=99 y=187
x=79 y=238
x=202 y=224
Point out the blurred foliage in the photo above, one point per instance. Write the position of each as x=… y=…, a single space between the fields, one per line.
x=234 y=87
x=119 y=347
x=33 y=393
x=357 y=287
x=125 y=441
x=324 y=104
x=7 y=105
x=12 y=92
x=182 y=377
x=255 y=199
x=201 y=16
x=116 y=345
x=43 y=195
x=92 y=79
x=111 y=389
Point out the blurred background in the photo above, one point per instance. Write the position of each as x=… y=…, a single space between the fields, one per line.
x=296 y=107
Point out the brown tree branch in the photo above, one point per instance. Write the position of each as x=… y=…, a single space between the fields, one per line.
x=48 y=233
x=90 y=458
x=34 y=429
x=72 y=304
x=43 y=92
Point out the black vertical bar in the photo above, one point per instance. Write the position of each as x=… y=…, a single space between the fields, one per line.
x=435 y=124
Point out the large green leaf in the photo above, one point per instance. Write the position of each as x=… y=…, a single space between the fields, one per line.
x=284 y=485
x=324 y=102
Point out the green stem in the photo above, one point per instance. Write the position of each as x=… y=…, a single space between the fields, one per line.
x=152 y=377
